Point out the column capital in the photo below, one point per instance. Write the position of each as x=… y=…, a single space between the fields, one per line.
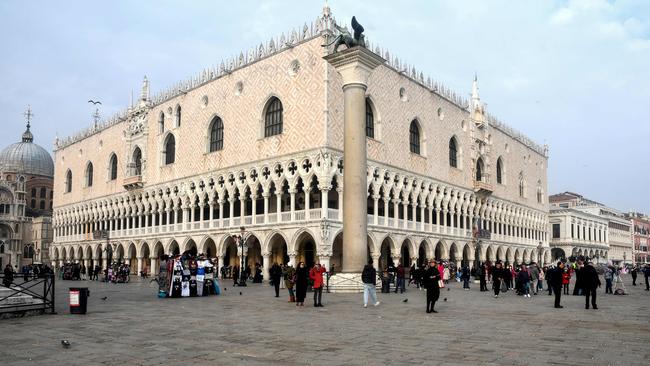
x=355 y=65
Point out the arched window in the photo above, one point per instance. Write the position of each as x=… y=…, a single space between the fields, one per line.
x=414 y=132
x=112 y=168
x=89 y=175
x=539 y=192
x=178 y=116
x=169 y=152
x=137 y=161
x=68 y=181
x=499 y=170
x=521 y=185
x=42 y=205
x=453 y=153
x=273 y=118
x=33 y=192
x=161 y=122
x=33 y=203
x=479 y=170
x=43 y=192
x=216 y=134
x=370 y=120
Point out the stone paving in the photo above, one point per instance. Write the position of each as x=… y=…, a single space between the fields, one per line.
x=133 y=327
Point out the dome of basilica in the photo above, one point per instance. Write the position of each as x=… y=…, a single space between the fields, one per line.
x=26 y=157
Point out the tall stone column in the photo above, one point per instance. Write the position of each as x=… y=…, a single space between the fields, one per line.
x=266 y=266
x=355 y=65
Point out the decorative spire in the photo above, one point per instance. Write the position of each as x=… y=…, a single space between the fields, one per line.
x=144 y=95
x=27 y=135
x=476 y=100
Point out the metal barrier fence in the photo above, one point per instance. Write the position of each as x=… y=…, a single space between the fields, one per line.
x=35 y=294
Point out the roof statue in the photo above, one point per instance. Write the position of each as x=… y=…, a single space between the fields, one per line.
x=344 y=36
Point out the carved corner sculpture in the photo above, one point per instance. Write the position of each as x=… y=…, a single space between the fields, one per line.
x=344 y=36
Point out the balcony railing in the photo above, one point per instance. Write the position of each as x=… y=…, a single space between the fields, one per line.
x=133 y=182
x=482 y=187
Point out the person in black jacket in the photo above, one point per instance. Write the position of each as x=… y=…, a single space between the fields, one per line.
x=497 y=277
x=578 y=287
x=483 y=272
x=369 y=279
x=430 y=279
x=555 y=281
x=590 y=282
x=276 y=274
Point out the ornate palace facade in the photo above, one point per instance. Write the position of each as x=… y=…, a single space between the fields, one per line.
x=258 y=143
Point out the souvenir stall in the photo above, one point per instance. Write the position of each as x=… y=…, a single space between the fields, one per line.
x=191 y=277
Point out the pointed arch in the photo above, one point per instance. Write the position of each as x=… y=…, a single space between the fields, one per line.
x=215 y=133
x=370 y=119
x=169 y=149
x=68 y=181
x=178 y=115
x=273 y=117
x=89 y=174
x=453 y=152
x=500 y=171
x=112 y=167
x=414 y=137
x=136 y=161
x=480 y=169
x=161 y=122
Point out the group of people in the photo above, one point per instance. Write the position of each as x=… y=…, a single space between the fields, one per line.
x=298 y=280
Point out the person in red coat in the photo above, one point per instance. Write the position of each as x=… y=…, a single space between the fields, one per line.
x=566 y=279
x=316 y=275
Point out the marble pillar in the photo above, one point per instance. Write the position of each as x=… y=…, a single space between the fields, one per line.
x=354 y=65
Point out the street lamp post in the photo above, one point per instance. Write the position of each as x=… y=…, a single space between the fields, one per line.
x=241 y=241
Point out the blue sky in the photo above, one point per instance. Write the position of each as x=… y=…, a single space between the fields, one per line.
x=574 y=74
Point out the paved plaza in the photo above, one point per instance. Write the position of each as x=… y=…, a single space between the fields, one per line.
x=133 y=327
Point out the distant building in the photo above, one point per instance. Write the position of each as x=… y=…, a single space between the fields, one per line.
x=588 y=226
x=26 y=179
x=640 y=236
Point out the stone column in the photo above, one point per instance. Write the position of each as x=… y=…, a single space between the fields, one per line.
x=292 y=259
x=324 y=190
x=254 y=208
x=139 y=266
x=375 y=214
x=355 y=65
x=220 y=262
x=266 y=266
x=266 y=206
x=292 y=206
x=153 y=269
x=339 y=190
x=278 y=206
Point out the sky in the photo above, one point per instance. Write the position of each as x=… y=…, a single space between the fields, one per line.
x=573 y=74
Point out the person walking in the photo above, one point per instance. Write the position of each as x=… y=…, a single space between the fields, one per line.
x=235 y=275
x=540 y=280
x=83 y=272
x=534 y=277
x=316 y=275
x=399 y=271
x=289 y=280
x=302 y=278
x=590 y=282
x=577 y=287
x=465 y=276
x=276 y=273
x=646 y=273
x=431 y=278
x=497 y=278
x=483 y=272
x=8 y=276
x=369 y=279
x=633 y=272
x=609 y=276
x=523 y=279
x=555 y=280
